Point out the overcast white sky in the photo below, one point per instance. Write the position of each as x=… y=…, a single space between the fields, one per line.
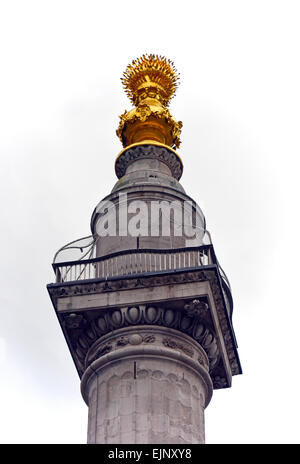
x=239 y=100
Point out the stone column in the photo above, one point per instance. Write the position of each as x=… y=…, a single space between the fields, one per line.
x=146 y=384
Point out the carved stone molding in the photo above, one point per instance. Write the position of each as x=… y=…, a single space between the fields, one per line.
x=225 y=322
x=166 y=348
x=75 y=321
x=196 y=308
x=145 y=336
x=101 y=286
x=171 y=343
x=142 y=315
x=163 y=154
x=83 y=328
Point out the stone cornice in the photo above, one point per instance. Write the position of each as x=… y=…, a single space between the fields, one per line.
x=81 y=325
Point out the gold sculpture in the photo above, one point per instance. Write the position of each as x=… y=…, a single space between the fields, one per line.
x=150 y=82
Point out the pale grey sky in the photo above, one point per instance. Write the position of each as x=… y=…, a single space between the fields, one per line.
x=239 y=99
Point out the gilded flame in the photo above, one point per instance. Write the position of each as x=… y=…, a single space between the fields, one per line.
x=153 y=72
x=150 y=82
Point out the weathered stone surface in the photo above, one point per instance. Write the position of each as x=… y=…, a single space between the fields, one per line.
x=149 y=394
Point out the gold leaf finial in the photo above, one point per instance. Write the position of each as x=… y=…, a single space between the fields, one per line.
x=153 y=72
x=150 y=82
